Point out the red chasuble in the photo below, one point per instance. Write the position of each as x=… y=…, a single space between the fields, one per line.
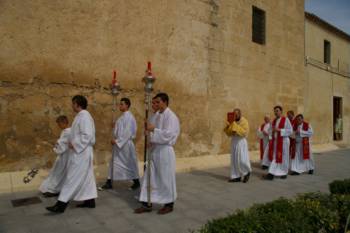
x=279 y=148
x=305 y=141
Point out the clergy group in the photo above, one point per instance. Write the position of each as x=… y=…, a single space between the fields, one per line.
x=284 y=146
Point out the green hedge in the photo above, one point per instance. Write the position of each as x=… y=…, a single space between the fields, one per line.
x=307 y=213
x=340 y=187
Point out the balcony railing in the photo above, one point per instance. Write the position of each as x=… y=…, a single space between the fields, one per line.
x=326 y=67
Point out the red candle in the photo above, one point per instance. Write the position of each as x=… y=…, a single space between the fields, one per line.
x=114 y=80
x=149 y=68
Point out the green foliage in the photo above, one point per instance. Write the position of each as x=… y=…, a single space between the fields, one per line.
x=340 y=187
x=307 y=213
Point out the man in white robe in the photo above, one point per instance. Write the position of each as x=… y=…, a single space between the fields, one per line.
x=302 y=158
x=279 y=146
x=265 y=134
x=163 y=136
x=125 y=165
x=240 y=164
x=80 y=184
x=52 y=185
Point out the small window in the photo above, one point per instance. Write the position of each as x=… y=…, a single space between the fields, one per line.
x=258 y=26
x=327 y=52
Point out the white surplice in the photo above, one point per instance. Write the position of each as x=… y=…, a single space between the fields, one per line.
x=162 y=166
x=298 y=164
x=281 y=169
x=240 y=163
x=154 y=118
x=80 y=181
x=53 y=183
x=124 y=152
x=266 y=138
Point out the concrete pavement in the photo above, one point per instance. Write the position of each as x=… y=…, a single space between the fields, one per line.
x=202 y=195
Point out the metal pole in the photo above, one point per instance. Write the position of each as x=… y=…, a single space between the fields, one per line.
x=148 y=80
x=146 y=138
x=115 y=90
x=148 y=154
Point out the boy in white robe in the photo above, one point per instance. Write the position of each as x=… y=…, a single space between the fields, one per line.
x=163 y=136
x=155 y=109
x=125 y=165
x=264 y=134
x=301 y=158
x=279 y=146
x=240 y=164
x=80 y=184
x=52 y=185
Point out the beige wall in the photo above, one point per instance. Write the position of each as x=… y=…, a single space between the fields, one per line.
x=322 y=85
x=202 y=53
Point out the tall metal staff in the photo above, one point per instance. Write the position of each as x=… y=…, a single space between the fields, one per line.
x=115 y=90
x=148 y=80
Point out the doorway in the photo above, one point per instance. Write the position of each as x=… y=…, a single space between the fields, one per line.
x=337 y=118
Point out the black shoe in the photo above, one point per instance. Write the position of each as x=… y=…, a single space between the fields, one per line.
x=136 y=185
x=283 y=177
x=107 y=185
x=165 y=210
x=269 y=176
x=142 y=210
x=311 y=172
x=235 y=180
x=87 y=204
x=59 y=207
x=294 y=173
x=48 y=194
x=264 y=167
x=246 y=178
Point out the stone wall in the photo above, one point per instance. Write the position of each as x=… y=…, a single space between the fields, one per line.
x=202 y=55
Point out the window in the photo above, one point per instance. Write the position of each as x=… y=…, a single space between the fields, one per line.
x=327 y=52
x=258 y=26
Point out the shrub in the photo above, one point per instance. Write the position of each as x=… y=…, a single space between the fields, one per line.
x=307 y=213
x=340 y=187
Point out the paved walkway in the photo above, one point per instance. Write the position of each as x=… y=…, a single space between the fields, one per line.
x=203 y=195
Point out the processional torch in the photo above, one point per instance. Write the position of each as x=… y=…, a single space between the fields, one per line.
x=149 y=79
x=115 y=90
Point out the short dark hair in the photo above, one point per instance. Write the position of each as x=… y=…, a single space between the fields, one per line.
x=62 y=119
x=164 y=97
x=300 y=115
x=291 y=112
x=279 y=107
x=126 y=101
x=238 y=110
x=81 y=101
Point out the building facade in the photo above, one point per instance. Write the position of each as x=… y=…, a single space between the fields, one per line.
x=211 y=56
x=327 y=86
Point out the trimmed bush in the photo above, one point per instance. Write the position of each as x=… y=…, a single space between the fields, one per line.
x=307 y=213
x=303 y=215
x=340 y=187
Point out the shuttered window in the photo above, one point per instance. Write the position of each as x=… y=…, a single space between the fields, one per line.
x=327 y=52
x=258 y=32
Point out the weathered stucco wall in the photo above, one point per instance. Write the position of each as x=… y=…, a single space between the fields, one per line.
x=202 y=53
x=322 y=85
